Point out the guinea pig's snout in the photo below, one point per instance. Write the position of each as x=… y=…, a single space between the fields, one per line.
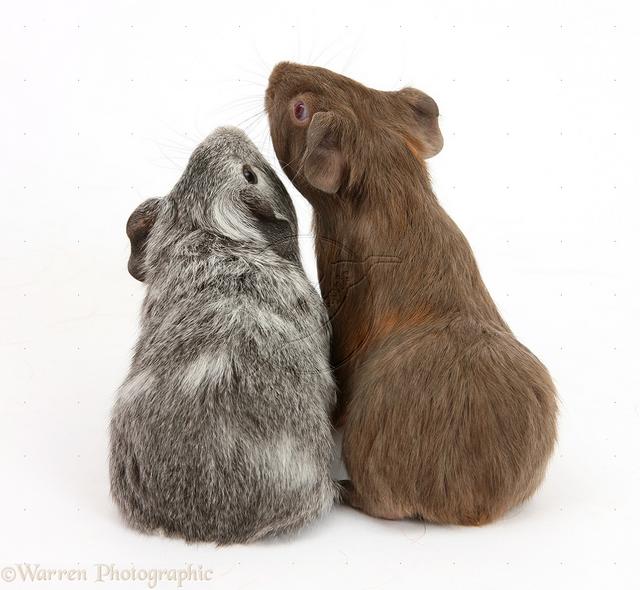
x=269 y=96
x=275 y=79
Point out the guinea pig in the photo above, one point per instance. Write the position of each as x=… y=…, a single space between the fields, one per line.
x=221 y=431
x=446 y=416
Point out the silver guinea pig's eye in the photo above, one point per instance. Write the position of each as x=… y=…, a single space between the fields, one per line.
x=249 y=175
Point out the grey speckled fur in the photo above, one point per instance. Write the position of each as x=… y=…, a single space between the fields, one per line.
x=221 y=430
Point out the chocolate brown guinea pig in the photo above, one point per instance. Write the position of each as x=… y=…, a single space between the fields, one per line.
x=447 y=417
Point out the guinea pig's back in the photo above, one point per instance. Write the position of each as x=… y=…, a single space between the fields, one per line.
x=230 y=395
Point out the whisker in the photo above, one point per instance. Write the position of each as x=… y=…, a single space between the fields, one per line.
x=258 y=123
x=249 y=82
x=242 y=102
x=258 y=54
x=257 y=74
x=182 y=135
x=175 y=148
x=176 y=166
x=327 y=46
x=355 y=50
x=265 y=137
x=300 y=168
x=249 y=118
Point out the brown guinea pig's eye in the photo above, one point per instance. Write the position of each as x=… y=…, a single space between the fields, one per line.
x=300 y=111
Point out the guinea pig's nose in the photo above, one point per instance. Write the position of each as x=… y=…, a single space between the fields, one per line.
x=269 y=95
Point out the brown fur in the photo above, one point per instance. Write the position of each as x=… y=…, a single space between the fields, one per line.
x=447 y=417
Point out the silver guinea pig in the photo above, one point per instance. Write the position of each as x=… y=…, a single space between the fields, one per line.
x=221 y=430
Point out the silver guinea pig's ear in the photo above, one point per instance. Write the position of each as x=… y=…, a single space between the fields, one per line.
x=279 y=232
x=139 y=226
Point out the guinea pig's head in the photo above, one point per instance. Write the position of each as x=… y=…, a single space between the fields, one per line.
x=227 y=192
x=329 y=132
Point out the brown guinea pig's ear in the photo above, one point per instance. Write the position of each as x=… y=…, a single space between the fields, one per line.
x=425 y=138
x=324 y=163
x=139 y=225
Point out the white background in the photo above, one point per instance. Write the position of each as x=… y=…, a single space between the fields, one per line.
x=101 y=105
